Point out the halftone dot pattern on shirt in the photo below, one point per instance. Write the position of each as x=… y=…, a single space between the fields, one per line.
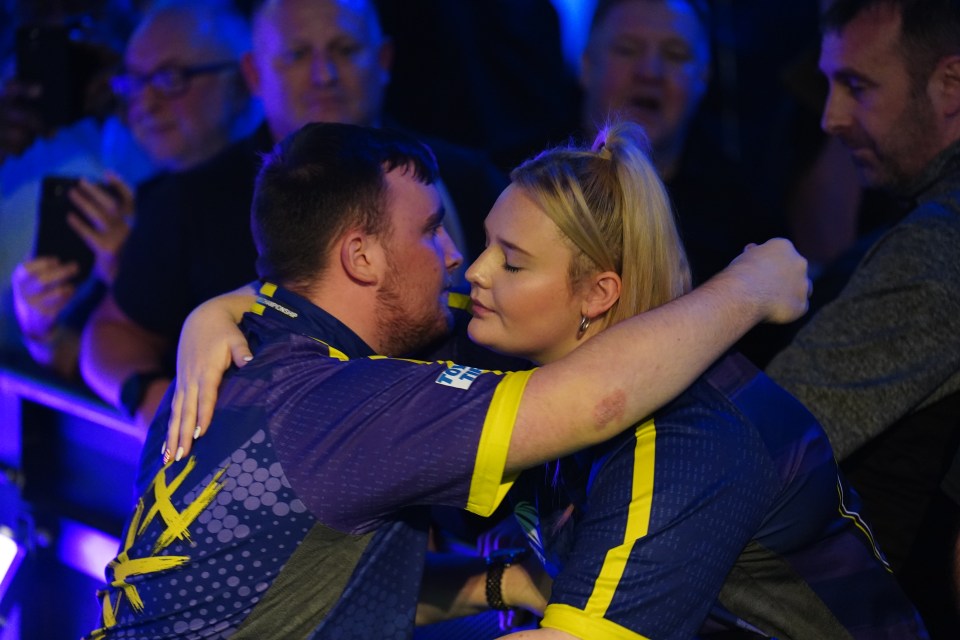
x=229 y=570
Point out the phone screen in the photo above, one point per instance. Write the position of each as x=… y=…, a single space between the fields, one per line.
x=54 y=236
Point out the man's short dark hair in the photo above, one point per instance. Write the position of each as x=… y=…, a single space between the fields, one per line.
x=318 y=183
x=929 y=30
x=700 y=8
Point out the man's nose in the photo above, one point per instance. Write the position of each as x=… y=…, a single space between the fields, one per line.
x=323 y=69
x=476 y=272
x=451 y=255
x=648 y=64
x=144 y=98
x=836 y=113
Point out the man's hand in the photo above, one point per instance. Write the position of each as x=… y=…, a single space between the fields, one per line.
x=527 y=586
x=105 y=223
x=41 y=290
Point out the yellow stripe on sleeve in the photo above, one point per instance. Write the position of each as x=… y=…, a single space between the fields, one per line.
x=638 y=521
x=488 y=486
x=579 y=623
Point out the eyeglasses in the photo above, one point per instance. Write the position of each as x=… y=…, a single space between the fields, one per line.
x=168 y=81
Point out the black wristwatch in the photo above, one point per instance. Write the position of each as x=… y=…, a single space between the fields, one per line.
x=134 y=390
x=497 y=561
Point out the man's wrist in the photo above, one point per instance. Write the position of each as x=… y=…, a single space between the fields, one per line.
x=497 y=562
x=134 y=390
x=43 y=338
x=43 y=346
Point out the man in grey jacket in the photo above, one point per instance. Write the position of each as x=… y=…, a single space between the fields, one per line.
x=880 y=366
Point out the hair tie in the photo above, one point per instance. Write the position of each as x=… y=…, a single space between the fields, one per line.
x=603 y=150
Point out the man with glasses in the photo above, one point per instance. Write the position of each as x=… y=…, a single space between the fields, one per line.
x=185 y=97
x=169 y=81
x=185 y=100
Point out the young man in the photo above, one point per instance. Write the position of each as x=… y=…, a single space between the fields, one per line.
x=323 y=452
x=879 y=364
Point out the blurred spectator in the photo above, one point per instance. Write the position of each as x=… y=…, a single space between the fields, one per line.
x=880 y=365
x=312 y=60
x=96 y=142
x=182 y=89
x=489 y=74
x=650 y=61
x=828 y=211
x=88 y=36
x=951 y=489
x=185 y=100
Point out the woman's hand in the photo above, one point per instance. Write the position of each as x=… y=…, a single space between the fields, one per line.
x=209 y=342
x=105 y=223
x=776 y=278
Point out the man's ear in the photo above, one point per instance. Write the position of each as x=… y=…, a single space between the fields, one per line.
x=251 y=75
x=586 y=68
x=946 y=87
x=385 y=59
x=362 y=258
x=603 y=292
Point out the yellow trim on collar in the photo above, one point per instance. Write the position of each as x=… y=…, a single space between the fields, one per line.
x=268 y=289
x=458 y=301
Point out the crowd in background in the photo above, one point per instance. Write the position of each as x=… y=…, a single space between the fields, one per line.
x=169 y=106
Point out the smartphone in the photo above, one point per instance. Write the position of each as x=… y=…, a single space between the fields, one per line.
x=55 y=237
x=45 y=57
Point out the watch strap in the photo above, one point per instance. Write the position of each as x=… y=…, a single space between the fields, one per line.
x=497 y=561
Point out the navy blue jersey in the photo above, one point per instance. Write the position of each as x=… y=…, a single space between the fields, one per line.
x=724 y=510
x=302 y=512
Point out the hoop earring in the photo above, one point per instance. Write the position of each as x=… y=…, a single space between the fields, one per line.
x=584 y=325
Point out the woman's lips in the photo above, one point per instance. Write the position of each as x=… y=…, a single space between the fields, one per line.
x=478 y=309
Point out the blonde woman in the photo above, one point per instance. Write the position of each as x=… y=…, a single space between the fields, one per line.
x=725 y=510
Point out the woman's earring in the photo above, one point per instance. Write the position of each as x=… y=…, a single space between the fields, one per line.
x=584 y=325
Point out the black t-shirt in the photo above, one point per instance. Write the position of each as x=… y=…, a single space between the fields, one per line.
x=191 y=239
